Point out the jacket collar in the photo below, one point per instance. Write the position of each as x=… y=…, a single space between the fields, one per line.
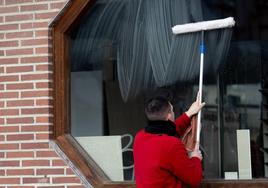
x=161 y=127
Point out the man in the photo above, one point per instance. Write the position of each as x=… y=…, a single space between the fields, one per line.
x=160 y=158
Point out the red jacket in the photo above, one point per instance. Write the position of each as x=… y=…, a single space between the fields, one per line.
x=161 y=161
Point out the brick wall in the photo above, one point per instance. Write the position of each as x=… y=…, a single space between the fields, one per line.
x=26 y=158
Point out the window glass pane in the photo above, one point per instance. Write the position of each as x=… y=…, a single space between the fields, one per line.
x=232 y=94
x=242 y=101
x=242 y=111
x=210 y=143
x=240 y=80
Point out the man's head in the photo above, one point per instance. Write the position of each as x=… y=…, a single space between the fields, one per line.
x=159 y=108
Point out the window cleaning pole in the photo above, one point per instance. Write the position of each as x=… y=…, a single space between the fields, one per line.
x=201 y=73
x=196 y=27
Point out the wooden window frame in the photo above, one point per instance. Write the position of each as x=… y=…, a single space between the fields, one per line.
x=68 y=19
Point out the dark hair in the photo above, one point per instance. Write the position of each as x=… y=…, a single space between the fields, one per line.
x=157 y=108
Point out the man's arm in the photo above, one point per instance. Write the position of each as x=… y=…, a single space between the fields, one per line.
x=183 y=121
x=188 y=170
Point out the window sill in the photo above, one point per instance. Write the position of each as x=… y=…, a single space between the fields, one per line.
x=254 y=183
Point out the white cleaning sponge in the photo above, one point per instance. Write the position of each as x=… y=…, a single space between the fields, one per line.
x=204 y=25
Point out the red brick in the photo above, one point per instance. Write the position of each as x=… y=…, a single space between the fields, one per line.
x=9 y=129
x=9 y=181
x=44 y=85
x=19 y=86
x=35 y=77
x=9 y=61
x=16 y=172
x=9 y=146
x=40 y=59
x=54 y=186
x=41 y=33
x=2 y=120
x=20 y=154
x=1 y=19
x=43 y=50
x=15 y=103
x=20 y=120
x=1 y=52
x=46 y=154
x=50 y=171
x=11 y=2
x=21 y=17
x=69 y=171
x=2 y=137
x=1 y=88
x=13 y=43
x=2 y=154
x=12 y=9
x=47 y=15
x=44 y=119
x=19 y=69
x=1 y=2
x=25 y=51
x=2 y=172
x=43 y=136
x=66 y=180
x=21 y=186
x=20 y=137
x=9 y=112
x=58 y=162
x=9 y=78
x=9 y=95
x=44 y=102
x=34 y=42
x=2 y=35
x=34 y=145
x=34 y=25
x=35 y=180
x=9 y=27
x=57 y=5
x=9 y=163
x=35 y=111
x=23 y=34
x=35 y=162
x=33 y=7
x=35 y=128
x=45 y=93
x=44 y=67
x=2 y=70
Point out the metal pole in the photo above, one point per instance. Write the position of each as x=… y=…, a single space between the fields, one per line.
x=202 y=52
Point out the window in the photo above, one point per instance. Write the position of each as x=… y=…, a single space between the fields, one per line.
x=89 y=103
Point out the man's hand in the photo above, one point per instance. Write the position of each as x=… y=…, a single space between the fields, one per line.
x=195 y=153
x=195 y=107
